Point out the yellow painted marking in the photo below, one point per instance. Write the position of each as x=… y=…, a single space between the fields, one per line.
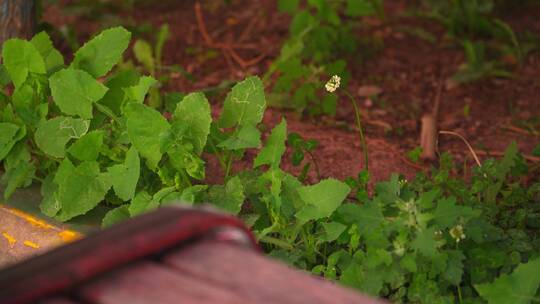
x=11 y=240
x=69 y=236
x=27 y=217
x=31 y=244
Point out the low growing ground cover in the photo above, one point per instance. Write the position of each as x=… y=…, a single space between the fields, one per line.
x=98 y=130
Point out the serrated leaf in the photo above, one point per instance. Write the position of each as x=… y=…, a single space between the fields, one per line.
x=183 y=159
x=332 y=231
x=125 y=176
x=52 y=57
x=115 y=216
x=519 y=287
x=80 y=189
x=425 y=242
x=447 y=213
x=141 y=203
x=229 y=197
x=19 y=170
x=52 y=135
x=247 y=136
x=322 y=199
x=145 y=126
x=20 y=57
x=88 y=146
x=137 y=92
x=272 y=152
x=99 y=55
x=115 y=96
x=367 y=217
x=28 y=105
x=192 y=120
x=49 y=205
x=454 y=270
x=244 y=105
x=10 y=134
x=74 y=91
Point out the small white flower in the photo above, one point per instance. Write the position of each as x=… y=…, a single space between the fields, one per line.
x=457 y=233
x=333 y=84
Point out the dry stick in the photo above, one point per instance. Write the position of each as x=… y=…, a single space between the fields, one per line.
x=225 y=48
x=466 y=143
x=428 y=135
x=520 y=130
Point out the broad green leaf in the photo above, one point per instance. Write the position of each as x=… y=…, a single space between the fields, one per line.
x=125 y=176
x=229 y=197
x=99 y=55
x=52 y=135
x=49 y=205
x=115 y=216
x=244 y=105
x=137 y=92
x=20 y=58
x=191 y=194
x=52 y=57
x=247 y=137
x=447 y=213
x=28 y=105
x=275 y=147
x=183 y=159
x=143 y=54
x=192 y=119
x=115 y=96
x=519 y=287
x=81 y=189
x=425 y=242
x=19 y=170
x=367 y=217
x=322 y=199
x=454 y=270
x=74 y=91
x=145 y=126
x=332 y=231
x=141 y=203
x=88 y=146
x=10 y=134
x=4 y=76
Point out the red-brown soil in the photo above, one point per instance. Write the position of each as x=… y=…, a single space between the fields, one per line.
x=408 y=70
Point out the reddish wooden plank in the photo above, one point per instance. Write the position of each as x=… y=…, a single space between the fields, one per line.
x=148 y=282
x=136 y=239
x=58 y=300
x=255 y=278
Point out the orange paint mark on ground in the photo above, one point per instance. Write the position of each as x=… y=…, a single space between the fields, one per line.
x=69 y=236
x=11 y=240
x=32 y=220
x=31 y=244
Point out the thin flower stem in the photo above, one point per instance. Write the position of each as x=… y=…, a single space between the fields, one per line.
x=359 y=125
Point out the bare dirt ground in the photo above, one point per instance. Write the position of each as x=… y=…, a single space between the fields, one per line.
x=407 y=69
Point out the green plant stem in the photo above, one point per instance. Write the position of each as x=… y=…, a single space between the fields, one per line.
x=108 y=112
x=316 y=164
x=229 y=164
x=359 y=125
x=277 y=242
